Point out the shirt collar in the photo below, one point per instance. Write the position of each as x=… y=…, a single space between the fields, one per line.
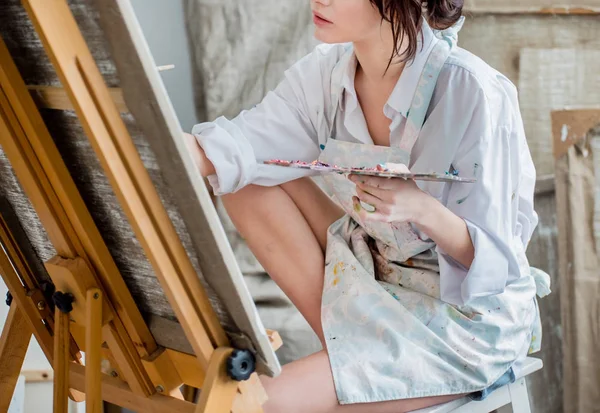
x=402 y=95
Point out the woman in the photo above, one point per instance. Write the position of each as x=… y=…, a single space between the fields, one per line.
x=428 y=296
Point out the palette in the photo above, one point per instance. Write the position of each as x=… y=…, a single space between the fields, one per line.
x=375 y=171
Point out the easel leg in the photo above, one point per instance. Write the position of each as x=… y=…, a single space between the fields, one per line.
x=219 y=390
x=62 y=359
x=13 y=347
x=93 y=355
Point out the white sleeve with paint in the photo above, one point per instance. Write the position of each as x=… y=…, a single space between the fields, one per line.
x=498 y=208
x=283 y=126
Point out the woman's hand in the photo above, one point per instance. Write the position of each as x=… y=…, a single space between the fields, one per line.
x=400 y=200
x=394 y=199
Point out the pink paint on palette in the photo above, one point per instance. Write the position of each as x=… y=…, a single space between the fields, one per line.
x=377 y=170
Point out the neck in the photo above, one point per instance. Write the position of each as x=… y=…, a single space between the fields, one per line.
x=373 y=57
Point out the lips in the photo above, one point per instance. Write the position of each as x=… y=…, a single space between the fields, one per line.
x=319 y=19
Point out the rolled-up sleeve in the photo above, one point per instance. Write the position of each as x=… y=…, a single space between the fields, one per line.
x=496 y=156
x=283 y=126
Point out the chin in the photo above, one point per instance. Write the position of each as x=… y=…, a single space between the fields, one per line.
x=329 y=37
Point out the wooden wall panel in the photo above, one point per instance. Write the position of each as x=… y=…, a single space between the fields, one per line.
x=550 y=80
x=545 y=386
x=498 y=39
x=533 y=6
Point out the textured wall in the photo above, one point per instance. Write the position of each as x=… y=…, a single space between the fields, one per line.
x=163 y=24
x=241 y=49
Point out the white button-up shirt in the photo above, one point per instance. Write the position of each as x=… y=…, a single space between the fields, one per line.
x=473 y=126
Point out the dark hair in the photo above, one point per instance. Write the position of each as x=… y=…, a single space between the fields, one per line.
x=405 y=19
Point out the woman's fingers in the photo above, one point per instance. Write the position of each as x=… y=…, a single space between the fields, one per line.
x=368 y=198
x=373 y=181
x=366 y=215
x=371 y=190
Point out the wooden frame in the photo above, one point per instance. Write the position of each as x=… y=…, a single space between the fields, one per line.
x=102 y=309
x=589 y=7
x=575 y=136
x=163 y=133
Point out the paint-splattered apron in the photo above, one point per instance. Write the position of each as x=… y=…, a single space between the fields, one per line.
x=388 y=334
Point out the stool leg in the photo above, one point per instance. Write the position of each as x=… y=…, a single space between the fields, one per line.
x=519 y=396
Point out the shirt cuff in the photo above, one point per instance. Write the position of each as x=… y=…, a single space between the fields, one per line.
x=230 y=153
x=487 y=275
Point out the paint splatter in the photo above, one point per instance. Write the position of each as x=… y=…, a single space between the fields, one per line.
x=357 y=207
x=336 y=281
x=340 y=266
x=453 y=171
x=475 y=167
x=564 y=133
x=460 y=201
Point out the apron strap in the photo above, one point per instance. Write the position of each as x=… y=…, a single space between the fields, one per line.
x=445 y=42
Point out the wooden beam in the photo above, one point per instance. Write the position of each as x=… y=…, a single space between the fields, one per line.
x=129 y=178
x=219 y=390
x=585 y=7
x=274 y=339
x=164 y=374
x=117 y=392
x=93 y=351
x=70 y=227
x=13 y=347
x=251 y=396
x=37 y=376
x=52 y=97
x=73 y=276
x=188 y=367
x=62 y=360
x=11 y=261
x=53 y=193
x=559 y=11
x=149 y=103
x=127 y=360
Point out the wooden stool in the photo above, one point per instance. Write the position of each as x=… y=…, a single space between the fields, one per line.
x=512 y=394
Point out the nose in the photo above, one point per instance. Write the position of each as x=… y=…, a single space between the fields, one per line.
x=322 y=3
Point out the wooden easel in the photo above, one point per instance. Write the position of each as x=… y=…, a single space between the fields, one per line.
x=92 y=309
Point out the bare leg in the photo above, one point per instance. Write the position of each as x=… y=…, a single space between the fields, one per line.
x=282 y=237
x=316 y=206
x=286 y=228
x=306 y=385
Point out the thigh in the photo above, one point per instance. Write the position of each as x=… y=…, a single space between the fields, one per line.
x=319 y=210
x=283 y=242
x=306 y=385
